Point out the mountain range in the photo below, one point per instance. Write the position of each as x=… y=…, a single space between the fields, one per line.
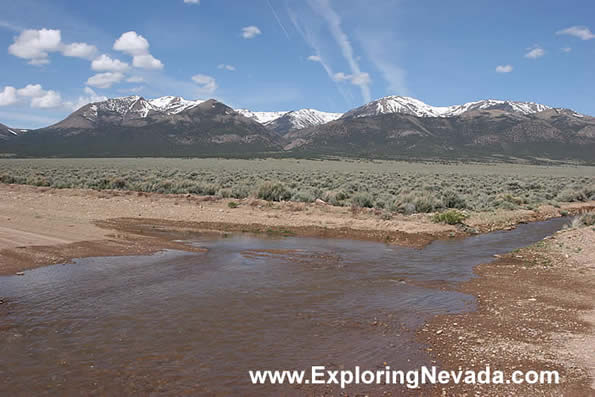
x=390 y=127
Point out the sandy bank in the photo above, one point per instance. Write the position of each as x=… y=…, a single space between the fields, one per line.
x=41 y=226
x=536 y=312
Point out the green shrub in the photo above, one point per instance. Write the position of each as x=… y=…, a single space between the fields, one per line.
x=118 y=183
x=233 y=204
x=363 y=200
x=589 y=219
x=240 y=192
x=304 y=196
x=224 y=193
x=334 y=198
x=273 y=191
x=452 y=217
x=5 y=178
x=426 y=202
x=451 y=199
x=577 y=193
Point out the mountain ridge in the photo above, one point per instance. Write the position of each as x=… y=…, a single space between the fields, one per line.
x=384 y=128
x=415 y=107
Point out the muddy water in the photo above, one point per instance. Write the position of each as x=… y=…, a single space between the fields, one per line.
x=193 y=324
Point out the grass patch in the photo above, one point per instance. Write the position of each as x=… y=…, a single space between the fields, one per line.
x=451 y=217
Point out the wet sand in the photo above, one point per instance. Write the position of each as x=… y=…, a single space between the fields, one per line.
x=536 y=311
x=42 y=226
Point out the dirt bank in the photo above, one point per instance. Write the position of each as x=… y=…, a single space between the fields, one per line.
x=536 y=311
x=41 y=226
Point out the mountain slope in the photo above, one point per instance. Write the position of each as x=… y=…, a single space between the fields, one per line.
x=132 y=126
x=298 y=119
x=261 y=117
x=7 y=133
x=391 y=127
x=553 y=133
x=415 y=107
x=283 y=122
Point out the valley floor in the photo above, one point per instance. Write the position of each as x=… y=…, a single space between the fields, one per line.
x=41 y=226
x=535 y=305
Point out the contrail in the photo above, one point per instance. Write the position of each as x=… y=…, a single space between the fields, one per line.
x=278 y=20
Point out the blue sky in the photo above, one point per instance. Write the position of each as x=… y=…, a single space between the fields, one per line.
x=269 y=55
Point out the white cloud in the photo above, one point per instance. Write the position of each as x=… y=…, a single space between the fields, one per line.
x=385 y=61
x=31 y=90
x=91 y=97
x=146 y=61
x=8 y=96
x=192 y=1
x=137 y=46
x=535 y=52
x=582 y=32
x=504 y=68
x=79 y=50
x=340 y=76
x=231 y=68
x=35 y=45
x=89 y=91
x=357 y=79
x=40 y=98
x=311 y=36
x=105 y=63
x=333 y=20
x=250 y=32
x=361 y=78
x=105 y=80
x=51 y=99
x=133 y=90
x=132 y=44
x=566 y=49
x=135 y=79
x=206 y=84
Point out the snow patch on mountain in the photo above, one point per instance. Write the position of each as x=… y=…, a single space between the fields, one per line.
x=415 y=107
x=173 y=104
x=261 y=117
x=290 y=120
x=138 y=107
x=304 y=118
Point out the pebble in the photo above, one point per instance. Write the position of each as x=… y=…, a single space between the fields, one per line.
x=439 y=332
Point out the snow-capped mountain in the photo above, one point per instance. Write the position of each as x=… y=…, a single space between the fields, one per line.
x=282 y=122
x=173 y=104
x=174 y=126
x=138 y=107
x=415 y=107
x=298 y=119
x=261 y=117
x=523 y=108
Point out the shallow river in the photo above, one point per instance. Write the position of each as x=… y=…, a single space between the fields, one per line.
x=176 y=323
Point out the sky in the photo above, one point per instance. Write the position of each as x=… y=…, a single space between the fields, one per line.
x=277 y=55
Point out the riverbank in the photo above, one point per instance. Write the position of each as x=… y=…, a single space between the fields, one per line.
x=535 y=312
x=42 y=226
